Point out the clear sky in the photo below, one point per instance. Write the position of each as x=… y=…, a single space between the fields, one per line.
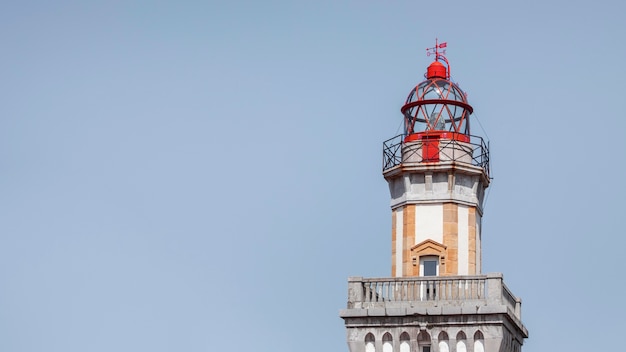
x=189 y=176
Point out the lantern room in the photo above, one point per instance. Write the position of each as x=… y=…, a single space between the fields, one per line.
x=437 y=107
x=436 y=131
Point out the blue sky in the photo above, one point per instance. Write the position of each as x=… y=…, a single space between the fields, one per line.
x=185 y=176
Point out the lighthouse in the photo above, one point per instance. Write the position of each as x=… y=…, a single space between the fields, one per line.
x=437 y=298
x=437 y=174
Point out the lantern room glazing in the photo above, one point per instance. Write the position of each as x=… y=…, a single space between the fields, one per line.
x=437 y=104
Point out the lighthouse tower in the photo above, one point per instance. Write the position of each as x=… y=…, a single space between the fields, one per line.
x=437 y=174
x=436 y=298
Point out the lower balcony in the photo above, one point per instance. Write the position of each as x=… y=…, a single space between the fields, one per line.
x=432 y=295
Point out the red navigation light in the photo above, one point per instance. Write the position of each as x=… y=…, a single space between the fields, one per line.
x=436 y=69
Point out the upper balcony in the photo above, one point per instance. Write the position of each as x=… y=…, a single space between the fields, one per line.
x=435 y=149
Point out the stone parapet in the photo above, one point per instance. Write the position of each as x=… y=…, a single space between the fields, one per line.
x=433 y=295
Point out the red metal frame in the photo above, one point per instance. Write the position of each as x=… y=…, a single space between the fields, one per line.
x=431 y=111
x=430 y=135
x=466 y=106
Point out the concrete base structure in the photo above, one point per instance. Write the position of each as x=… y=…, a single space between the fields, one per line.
x=438 y=314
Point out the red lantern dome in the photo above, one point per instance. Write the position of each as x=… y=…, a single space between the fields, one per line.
x=436 y=70
x=437 y=105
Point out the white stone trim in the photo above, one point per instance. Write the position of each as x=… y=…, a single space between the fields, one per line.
x=429 y=223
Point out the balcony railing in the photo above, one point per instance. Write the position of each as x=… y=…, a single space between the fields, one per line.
x=379 y=290
x=475 y=152
x=442 y=290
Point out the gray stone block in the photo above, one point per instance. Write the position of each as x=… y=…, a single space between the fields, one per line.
x=348 y=313
x=392 y=312
x=376 y=312
x=420 y=310
x=492 y=309
x=433 y=311
x=449 y=310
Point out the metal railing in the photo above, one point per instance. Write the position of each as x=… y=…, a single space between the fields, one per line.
x=475 y=152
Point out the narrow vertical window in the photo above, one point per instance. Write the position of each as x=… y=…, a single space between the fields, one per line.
x=369 y=343
x=423 y=341
x=479 y=342
x=404 y=342
x=443 y=342
x=460 y=342
x=387 y=343
x=429 y=265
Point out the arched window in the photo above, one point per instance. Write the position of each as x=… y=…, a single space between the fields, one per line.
x=387 y=343
x=404 y=342
x=460 y=342
x=444 y=344
x=479 y=342
x=423 y=341
x=369 y=343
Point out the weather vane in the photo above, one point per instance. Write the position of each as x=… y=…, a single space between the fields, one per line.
x=435 y=50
